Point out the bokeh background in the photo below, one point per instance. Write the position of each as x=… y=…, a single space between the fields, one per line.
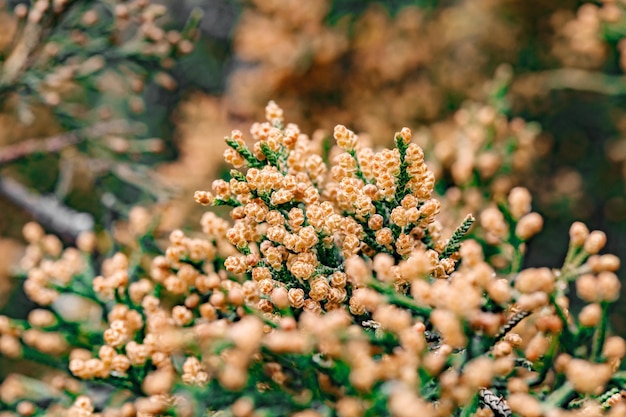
x=498 y=92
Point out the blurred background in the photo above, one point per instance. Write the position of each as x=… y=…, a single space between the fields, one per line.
x=109 y=105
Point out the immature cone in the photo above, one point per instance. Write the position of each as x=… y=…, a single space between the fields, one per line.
x=586 y=377
x=578 y=233
x=529 y=225
x=594 y=242
x=519 y=202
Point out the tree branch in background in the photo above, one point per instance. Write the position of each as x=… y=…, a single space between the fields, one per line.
x=572 y=79
x=17 y=60
x=56 y=143
x=142 y=177
x=48 y=210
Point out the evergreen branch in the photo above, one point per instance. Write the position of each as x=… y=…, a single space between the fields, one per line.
x=605 y=398
x=359 y=172
x=513 y=321
x=231 y=202
x=245 y=153
x=403 y=177
x=237 y=175
x=455 y=241
x=496 y=404
x=271 y=156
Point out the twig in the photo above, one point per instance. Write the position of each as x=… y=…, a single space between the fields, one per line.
x=575 y=79
x=142 y=177
x=560 y=397
x=600 y=336
x=26 y=43
x=56 y=143
x=454 y=243
x=16 y=61
x=47 y=209
x=513 y=321
x=497 y=404
x=401 y=300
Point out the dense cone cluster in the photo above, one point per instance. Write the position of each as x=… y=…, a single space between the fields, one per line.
x=332 y=292
x=297 y=222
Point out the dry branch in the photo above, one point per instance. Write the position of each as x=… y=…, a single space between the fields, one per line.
x=48 y=210
x=56 y=143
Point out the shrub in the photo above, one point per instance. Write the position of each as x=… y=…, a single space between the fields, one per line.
x=335 y=292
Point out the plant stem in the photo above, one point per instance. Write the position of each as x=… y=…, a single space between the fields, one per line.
x=401 y=300
x=567 y=334
x=598 y=342
x=470 y=408
x=560 y=397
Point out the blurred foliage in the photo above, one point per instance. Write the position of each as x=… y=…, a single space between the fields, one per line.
x=73 y=78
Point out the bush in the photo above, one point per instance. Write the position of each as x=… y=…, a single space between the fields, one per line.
x=335 y=292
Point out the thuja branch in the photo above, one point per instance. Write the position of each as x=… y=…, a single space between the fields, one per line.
x=400 y=300
x=403 y=175
x=455 y=241
x=252 y=160
x=511 y=323
x=359 y=172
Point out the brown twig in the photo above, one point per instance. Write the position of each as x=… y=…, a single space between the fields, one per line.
x=56 y=143
x=573 y=79
x=18 y=58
